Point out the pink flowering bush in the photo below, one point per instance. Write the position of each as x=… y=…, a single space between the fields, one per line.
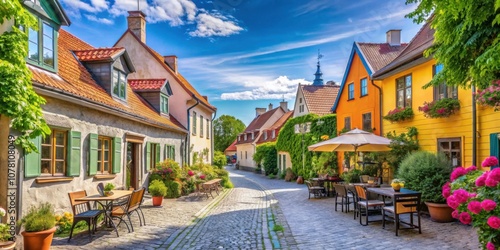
x=489 y=96
x=440 y=108
x=474 y=196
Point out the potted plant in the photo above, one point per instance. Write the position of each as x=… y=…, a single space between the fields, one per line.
x=39 y=227
x=399 y=114
x=426 y=172
x=474 y=196
x=158 y=190
x=440 y=108
x=397 y=184
x=489 y=96
x=108 y=189
x=6 y=239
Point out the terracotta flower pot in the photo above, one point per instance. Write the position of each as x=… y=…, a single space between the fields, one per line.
x=300 y=180
x=440 y=212
x=38 y=240
x=157 y=200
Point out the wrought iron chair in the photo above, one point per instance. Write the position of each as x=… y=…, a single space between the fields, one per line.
x=317 y=191
x=83 y=212
x=133 y=205
x=346 y=197
x=404 y=204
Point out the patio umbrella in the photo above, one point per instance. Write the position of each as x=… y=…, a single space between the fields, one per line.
x=354 y=140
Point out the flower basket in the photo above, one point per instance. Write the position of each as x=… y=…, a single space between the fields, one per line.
x=441 y=108
x=399 y=114
x=489 y=96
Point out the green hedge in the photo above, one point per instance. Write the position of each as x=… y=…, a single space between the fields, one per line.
x=266 y=154
x=291 y=142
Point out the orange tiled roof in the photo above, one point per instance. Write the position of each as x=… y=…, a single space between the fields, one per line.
x=319 y=99
x=99 y=54
x=182 y=81
x=73 y=80
x=415 y=49
x=379 y=54
x=231 y=147
x=146 y=84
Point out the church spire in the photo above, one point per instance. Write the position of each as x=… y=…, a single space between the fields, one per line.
x=318 y=80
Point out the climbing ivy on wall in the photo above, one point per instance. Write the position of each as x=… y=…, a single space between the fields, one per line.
x=18 y=100
x=266 y=155
x=291 y=142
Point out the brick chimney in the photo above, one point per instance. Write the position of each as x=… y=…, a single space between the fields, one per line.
x=137 y=24
x=284 y=105
x=171 y=62
x=270 y=106
x=394 y=37
x=259 y=111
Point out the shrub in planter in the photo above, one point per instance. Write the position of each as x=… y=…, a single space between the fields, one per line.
x=39 y=227
x=425 y=172
x=441 y=108
x=399 y=114
x=290 y=175
x=351 y=176
x=157 y=188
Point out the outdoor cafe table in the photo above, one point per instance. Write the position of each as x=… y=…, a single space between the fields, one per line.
x=389 y=192
x=106 y=202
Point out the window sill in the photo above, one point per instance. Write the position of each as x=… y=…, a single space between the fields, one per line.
x=352 y=99
x=41 y=180
x=363 y=95
x=104 y=176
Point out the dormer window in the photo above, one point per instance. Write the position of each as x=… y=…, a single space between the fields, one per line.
x=253 y=135
x=41 y=45
x=119 y=84
x=164 y=103
x=265 y=135
x=273 y=134
x=245 y=137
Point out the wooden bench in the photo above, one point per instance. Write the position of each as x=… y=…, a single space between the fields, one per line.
x=211 y=185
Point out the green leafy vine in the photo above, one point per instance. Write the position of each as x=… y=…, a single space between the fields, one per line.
x=19 y=100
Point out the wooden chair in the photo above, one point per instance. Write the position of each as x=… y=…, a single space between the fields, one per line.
x=317 y=191
x=346 y=198
x=83 y=212
x=404 y=204
x=133 y=204
x=363 y=201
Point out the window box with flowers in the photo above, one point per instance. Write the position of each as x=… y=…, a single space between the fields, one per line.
x=473 y=194
x=440 y=108
x=489 y=96
x=399 y=114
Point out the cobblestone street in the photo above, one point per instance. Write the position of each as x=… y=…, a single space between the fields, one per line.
x=243 y=218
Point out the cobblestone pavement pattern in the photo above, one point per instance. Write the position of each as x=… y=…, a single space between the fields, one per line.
x=238 y=219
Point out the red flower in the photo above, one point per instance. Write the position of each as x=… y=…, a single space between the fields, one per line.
x=190 y=173
x=480 y=181
x=490 y=246
x=461 y=195
x=494 y=222
x=202 y=177
x=465 y=218
x=488 y=205
x=490 y=161
x=475 y=207
x=457 y=172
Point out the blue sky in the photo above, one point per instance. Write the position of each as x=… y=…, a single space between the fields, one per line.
x=245 y=54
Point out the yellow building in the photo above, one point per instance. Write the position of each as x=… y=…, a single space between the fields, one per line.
x=402 y=82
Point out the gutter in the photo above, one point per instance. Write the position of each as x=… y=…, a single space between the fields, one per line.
x=188 y=136
x=474 y=129
x=380 y=106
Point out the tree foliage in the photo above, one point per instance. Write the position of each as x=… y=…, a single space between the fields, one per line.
x=291 y=142
x=219 y=159
x=401 y=145
x=226 y=129
x=466 y=40
x=18 y=100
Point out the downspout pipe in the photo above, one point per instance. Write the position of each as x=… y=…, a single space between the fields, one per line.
x=212 y=135
x=474 y=129
x=380 y=106
x=188 y=141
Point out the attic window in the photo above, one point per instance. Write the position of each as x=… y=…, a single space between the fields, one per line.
x=245 y=137
x=265 y=135
x=274 y=134
x=41 y=45
x=119 y=81
x=164 y=104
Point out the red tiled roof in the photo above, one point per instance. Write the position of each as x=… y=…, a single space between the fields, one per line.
x=182 y=81
x=231 y=147
x=146 y=84
x=260 y=120
x=379 y=54
x=320 y=99
x=73 y=80
x=276 y=127
x=99 y=54
x=415 y=49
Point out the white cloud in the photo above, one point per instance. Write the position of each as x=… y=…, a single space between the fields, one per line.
x=93 y=6
x=209 y=25
x=99 y=20
x=279 y=88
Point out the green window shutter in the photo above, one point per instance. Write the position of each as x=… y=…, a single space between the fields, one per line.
x=148 y=155
x=494 y=145
x=173 y=152
x=166 y=154
x=158 y=152
x=117 y=155
x=93 y=143
x=32 y=161
x=74 y=153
